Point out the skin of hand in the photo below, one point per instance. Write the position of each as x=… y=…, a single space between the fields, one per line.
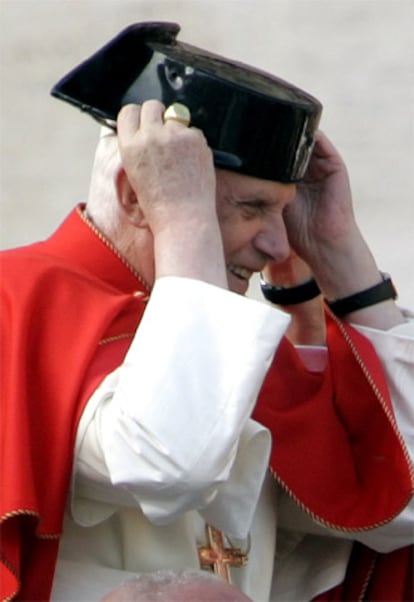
x=308 y=323
x=288 y=273
x=322 y=230
x=321 y=224
x=171 y=172
x=170 y=165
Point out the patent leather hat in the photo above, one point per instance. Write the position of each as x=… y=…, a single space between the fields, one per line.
x=255 y=123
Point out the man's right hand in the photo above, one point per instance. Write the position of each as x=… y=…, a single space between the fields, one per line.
x=169 y=166
x=170 y=170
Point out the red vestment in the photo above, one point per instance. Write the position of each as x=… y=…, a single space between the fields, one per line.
x=70 y=307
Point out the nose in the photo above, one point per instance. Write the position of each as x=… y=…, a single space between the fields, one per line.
x=272 y=240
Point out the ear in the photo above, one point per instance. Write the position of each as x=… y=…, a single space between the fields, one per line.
x=129 y=201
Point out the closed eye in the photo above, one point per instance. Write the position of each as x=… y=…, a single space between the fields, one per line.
x=253 y=208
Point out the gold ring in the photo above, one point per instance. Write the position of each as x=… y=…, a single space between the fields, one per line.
x=177 y=112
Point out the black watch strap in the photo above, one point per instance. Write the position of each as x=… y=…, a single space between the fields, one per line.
x=289 y=296
x=370 y=296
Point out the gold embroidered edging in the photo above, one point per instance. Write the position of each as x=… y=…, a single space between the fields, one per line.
x=13 y=571
x=82 y=213
x=118 y=337
x=24 y=512
x=5 y=562
x=367 y=579
x=14 y=513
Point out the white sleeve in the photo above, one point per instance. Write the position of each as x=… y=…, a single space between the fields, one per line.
x=163 y=429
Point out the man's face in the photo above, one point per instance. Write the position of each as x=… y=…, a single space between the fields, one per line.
x=250 y=214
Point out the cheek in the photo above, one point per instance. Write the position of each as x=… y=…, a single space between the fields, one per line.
x=227 y=219
x=236 y=234
x=236 y=231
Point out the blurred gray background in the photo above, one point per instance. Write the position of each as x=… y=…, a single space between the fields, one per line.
x=356 y=56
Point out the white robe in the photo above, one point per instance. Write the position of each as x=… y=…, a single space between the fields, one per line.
x=152 y=468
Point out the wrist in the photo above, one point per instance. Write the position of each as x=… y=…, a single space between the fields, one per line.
x=179 y=253
x=294 y=295
x=384 y=290
x=344 y=270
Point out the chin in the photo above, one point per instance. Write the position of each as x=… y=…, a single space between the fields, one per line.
x=238 y=286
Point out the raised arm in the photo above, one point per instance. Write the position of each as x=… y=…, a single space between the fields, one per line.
x=323 y=231
x=170 y=169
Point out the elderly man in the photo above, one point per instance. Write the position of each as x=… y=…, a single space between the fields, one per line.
x=135 y=368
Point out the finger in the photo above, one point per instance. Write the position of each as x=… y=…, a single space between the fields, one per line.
x=128 y=121
x=175 y=123
x=151 y=113
x=323 y=146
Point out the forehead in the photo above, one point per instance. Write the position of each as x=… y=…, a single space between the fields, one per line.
x=230 y=183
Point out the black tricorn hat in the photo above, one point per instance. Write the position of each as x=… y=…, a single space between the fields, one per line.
x=255 y=123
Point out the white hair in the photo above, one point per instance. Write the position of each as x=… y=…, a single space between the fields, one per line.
x=102 y=205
